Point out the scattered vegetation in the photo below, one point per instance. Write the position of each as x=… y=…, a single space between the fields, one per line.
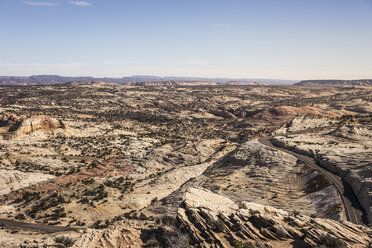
x=241 y=244
x=329 y=241
x=66 y=241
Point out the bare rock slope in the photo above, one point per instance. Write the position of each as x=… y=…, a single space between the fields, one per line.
x=343 y=147
x=255 y=172
x=12 y=180
x=213 y=220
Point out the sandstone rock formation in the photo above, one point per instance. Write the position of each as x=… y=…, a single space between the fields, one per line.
x=114 y=237
x=258 y=173
x=137 y=163
x=11 y=180
x=18 y=125
x=9 y=119
x=213 y=220
x=343 y=147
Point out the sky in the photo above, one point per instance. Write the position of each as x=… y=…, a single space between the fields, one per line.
x=283 y=39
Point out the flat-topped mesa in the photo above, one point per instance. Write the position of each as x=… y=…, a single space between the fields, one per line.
x=171 y=83
x=360 y=82
x=21 y=125
x=92 y=83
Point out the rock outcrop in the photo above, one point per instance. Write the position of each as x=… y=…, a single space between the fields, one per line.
x=17 y=125
x=11 y=180
x=258 y=173
x=114 y=237
x=344 y=149
x=213 y=220
x=7 y=119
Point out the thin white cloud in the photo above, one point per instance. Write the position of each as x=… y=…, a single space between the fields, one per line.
x=42 y=4
x=2 y=33
x=80 y=3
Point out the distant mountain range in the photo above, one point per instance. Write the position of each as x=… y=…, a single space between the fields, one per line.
x=172 y=81
x=363 y=82
x=140 y=80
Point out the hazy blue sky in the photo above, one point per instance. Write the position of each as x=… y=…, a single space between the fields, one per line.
x=289 y=39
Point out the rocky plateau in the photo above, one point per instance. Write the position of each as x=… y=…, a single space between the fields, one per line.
x=94 y=164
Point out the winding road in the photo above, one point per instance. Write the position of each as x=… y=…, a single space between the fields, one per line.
x=34 y=227
x=354 y=211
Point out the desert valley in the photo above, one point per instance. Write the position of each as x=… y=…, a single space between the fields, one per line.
x=100 y=164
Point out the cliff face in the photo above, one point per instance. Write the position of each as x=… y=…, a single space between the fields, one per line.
x=17 y=125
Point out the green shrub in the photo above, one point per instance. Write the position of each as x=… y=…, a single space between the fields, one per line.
x=219 y=226
x=66 y=241
x=253 y=212
x=20 y=217
x=295 y=213
x=240 y=244
x=328 y=241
